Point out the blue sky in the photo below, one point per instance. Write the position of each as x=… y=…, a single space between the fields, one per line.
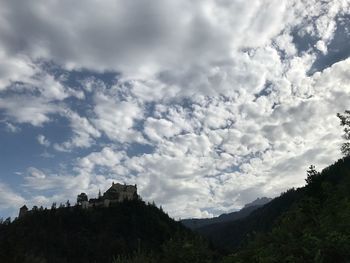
x=205 y=105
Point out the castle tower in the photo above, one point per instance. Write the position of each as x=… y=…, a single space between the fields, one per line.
x=22 y=211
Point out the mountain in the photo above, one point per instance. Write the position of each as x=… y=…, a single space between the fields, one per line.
x=229 y=235
x=308 y=224
x=91 y=235
x=195 y=223
x=259 y=202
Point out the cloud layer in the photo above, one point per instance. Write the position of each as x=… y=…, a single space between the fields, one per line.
x=205 y=105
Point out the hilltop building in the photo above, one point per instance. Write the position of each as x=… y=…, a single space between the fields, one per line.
x=115 y=194
x=23 y=210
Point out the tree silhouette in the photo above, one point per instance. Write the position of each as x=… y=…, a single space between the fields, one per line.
x=311 y=174
x=81 y=198
x=345 y=121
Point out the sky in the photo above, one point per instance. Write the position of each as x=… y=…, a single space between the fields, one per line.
x=205 y=105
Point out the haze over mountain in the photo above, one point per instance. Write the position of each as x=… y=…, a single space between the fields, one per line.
x=195 y=223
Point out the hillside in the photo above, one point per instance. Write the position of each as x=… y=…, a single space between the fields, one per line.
x=310 y=224
x=195 y=223
x=93 y=235
x=229 y=235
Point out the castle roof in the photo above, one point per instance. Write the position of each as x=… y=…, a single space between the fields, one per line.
x=24 y=207
x=121 y=187
x=116 y=190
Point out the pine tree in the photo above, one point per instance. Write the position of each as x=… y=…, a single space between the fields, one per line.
x=311 y=174
x=345 y=121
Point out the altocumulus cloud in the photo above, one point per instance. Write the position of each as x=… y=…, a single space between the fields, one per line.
x=205 y=105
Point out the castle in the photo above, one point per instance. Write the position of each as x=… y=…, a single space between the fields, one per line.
x=115 y=194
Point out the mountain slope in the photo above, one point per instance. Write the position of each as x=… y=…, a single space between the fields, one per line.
x=229 y=235
x=310 y=224
x=195 y=223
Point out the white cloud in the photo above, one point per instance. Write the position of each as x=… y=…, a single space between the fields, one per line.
x=117 y=118
x=221 y=91
x=34 y=98
x=43 y=141
x=321 y=46
x=14 y=68
x=156 y=129
x=33 y=110
x=36 y=173
x=84 y=133
x=9 y=198
x=12 y=128
x=68 y=185
x=150 y=37
x=106 y=157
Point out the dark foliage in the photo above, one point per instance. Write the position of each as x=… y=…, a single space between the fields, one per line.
x=180 y=249
x=316 y=227
x=345 y=122
x=94 y=235
x=228 y=236
x=312 y=174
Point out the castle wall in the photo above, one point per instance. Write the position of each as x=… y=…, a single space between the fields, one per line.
x=107 y=203
x=22 y=211
x=115 y=194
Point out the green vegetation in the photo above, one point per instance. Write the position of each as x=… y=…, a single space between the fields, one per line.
x=345 y=122
x=179 y=249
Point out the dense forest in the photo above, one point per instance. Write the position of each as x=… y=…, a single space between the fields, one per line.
x=94 y=235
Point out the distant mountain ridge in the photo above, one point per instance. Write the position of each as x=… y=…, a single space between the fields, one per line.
x=307 y=224
x=258 y=202
x=196 y=223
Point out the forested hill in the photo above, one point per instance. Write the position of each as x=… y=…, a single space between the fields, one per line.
x=94 y=235
x=310 y=224
x=229 y=235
